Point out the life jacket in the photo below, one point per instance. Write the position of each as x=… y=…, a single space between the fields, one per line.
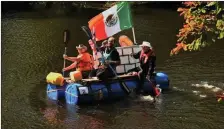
x=142 y=55
x=86 y=63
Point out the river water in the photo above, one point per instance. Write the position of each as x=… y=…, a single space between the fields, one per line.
x=32 y=46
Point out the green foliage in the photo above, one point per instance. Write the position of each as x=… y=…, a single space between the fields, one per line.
x=202 y=20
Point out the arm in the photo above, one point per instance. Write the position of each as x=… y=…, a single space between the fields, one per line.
x=73 y=65
x=73 y=59
x=115 y=58
x=152 y=66
x=136 y=55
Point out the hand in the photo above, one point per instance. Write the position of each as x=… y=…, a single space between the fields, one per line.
x=63 y=70
x=107 y=62
x=65 y=56
x=149 y=77
x=102 y=66
x=135 y=73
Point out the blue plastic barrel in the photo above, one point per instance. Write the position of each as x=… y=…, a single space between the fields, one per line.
x=99 y=91
x=71 y=93
x=162 y=79
x=55 y=92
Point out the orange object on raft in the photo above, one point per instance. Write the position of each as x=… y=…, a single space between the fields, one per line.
x=76 y=76
x=124 y=41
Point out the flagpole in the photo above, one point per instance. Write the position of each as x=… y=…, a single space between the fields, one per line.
x=133 y=31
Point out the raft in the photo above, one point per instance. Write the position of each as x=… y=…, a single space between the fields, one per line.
x=91 y=90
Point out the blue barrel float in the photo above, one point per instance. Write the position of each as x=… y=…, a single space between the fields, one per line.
x=96 y=90
x=55 y=92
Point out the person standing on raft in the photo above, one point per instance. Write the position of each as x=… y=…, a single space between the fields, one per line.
x=83 y=62
x=147 y=59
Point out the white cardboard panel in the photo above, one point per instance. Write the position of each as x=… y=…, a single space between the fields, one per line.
x=133 y=60
x=119 y=51
x=127 y=51
x=138 y=64
x=120 y=69
x=124 y=59
x=128 y=67
x=137 y=49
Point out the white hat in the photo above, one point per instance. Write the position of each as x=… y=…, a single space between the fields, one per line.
x=147 y=44
x=81 y=46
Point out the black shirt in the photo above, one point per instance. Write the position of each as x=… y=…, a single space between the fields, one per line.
x=149 y=66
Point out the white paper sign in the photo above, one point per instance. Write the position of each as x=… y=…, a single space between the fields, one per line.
x=83 y=90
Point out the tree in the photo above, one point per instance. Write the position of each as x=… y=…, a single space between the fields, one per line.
x=204 y=24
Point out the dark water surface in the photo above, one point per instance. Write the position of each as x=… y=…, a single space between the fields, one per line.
x=32 y=47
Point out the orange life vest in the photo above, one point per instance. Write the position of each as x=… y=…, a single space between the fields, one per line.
x=86 y=63
x=125 y=41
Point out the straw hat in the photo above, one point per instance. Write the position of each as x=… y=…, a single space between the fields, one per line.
x=81 y=46
x=147 y=44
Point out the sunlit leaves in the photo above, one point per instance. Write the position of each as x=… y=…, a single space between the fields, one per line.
x=221 y=35
x=219 y=10
x=220 y=24
x=201 y=19
x=177 y=49
x=211 y=3
x=191 y=4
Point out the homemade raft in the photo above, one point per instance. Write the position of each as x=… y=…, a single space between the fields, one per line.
x=90 y=90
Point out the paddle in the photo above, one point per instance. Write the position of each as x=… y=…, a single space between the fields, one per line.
x=156 y=92
x=66 y=35
x=123 y=85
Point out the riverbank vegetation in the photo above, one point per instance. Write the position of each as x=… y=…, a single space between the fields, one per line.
x=70 y=6
x=203 y=21
x=203 y=25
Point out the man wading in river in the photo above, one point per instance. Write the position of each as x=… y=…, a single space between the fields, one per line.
x=147 y=60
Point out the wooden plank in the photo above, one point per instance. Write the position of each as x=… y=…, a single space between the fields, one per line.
x=67 y=78
x=95 y=79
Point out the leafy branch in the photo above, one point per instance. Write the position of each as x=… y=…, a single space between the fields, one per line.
x=204 y=24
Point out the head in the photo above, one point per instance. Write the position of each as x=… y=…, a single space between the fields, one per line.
x=111 y=41
x=146 y=46
x=104 y=43
x=81 y=48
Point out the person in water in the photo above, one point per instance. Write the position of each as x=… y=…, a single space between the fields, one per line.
x=112 y=58
x=147 y=59
x=83 y=62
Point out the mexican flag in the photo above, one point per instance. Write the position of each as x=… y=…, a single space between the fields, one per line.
x=111 y=21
